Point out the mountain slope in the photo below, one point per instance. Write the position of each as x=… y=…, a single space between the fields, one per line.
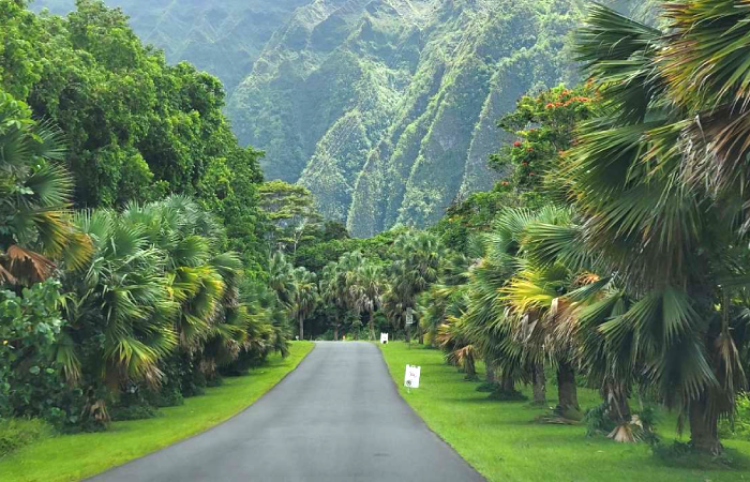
x=223 y=37
x=386 y=109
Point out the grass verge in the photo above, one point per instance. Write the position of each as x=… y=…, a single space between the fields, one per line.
x=74 y=457
x=504 y=443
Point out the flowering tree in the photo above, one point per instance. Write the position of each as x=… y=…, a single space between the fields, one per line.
x=544 y=125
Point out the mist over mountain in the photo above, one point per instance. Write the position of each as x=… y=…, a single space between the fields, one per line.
x=385 y=109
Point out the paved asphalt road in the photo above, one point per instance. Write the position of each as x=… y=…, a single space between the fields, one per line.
x=337 y=417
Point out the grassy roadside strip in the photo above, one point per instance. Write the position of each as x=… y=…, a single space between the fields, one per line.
x=74 y=457
x=502 y=441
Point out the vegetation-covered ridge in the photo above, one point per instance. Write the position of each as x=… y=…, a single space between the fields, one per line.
x=386 y=110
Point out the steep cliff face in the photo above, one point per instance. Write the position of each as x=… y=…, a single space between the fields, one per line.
x=386 y=109
x=223 y=37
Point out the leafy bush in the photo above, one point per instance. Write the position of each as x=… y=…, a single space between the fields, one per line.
x=16 y=433
x=738 y=428
x=30 y=381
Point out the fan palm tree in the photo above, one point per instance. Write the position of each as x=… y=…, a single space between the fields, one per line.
x=675 y=110
x=122 y=297
x=304 y=298
x=416 y=265
x=35 y=193
x=366 y=288
x=281 y=277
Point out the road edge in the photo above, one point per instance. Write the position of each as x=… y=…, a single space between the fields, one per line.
x=183 y=440
x=416 y=413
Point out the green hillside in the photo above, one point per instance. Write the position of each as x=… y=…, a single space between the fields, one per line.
x=386 y=109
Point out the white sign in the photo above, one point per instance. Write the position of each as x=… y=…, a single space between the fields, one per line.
x=411 y=378
x=384 y=338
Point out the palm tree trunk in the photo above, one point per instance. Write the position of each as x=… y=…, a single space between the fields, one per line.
x=567 y=392
x=704 y=427
x=507 y=385
x=491 y=374
x=336 y=331
x=301 y=328
x=371 y=324
x=616 y=396
x=539 y=384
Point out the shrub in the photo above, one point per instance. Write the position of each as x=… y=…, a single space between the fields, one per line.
x=16 y=433
x=31 y=384
x=738 y=428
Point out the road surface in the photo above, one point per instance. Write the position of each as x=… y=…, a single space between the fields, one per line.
x=337 y=417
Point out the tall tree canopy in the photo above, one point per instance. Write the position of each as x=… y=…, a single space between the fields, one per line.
x=136 y=128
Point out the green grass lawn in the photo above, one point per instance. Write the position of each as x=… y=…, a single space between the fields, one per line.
x=504 y=443
x=74 y=457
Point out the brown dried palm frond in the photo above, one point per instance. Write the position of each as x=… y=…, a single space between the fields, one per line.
x=24 y=264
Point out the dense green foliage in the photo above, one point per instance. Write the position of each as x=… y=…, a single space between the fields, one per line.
x=131 y=242
x=135 y=127
x=224 y=38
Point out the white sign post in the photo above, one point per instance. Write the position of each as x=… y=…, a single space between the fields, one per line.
x=384 y=338
x=411 y=378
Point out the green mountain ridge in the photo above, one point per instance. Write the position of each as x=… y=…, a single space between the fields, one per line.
x=385 y=109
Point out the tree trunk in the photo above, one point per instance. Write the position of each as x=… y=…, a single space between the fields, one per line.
x=336 y=332
x=567 y=398
x=491 y=375
x=616 y=396
x=507 y=385
x=421 y=334
x=539 y=384
x=301 y=328
x=704 y=427
x=407 y=338
x=371 y=324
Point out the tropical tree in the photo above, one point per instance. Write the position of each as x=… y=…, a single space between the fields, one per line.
x=304 y=297
x=366 y=288
x=35 y=192
x=416 y=261
x=353 y=285
x=281 y=277
x=674 y=109
x=157 y=283
x=332 y=291
x=123 y=298
x=291 y=212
